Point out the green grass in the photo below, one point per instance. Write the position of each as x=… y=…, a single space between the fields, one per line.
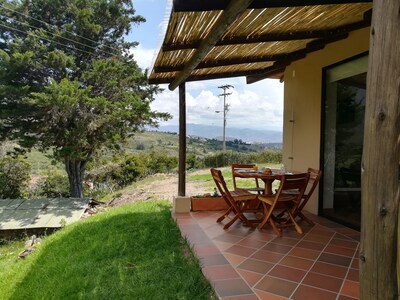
x=209 y=184
x=131 y=252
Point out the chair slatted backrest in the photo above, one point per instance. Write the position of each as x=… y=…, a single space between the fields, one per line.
x=221 y=184
x=315 y=176
x=291 y=183
x=249 y=167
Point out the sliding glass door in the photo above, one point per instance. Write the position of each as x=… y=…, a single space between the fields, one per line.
x=345 y=94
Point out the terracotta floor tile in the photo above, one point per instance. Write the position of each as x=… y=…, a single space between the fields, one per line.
x=222 y=246
x=342 y=297
x=233 y=259
x=231 y=287
x=296 y=262
x=213 y=260
x=311 y=245
x=241 y=231
x=268 y=296
x=340 y=250
x=282 y=249
x=228 y=238
x=252 y=243
x=206 y=249
x=250 y=277
x=351 y=289
x=353 y=275
x=329 y=269
x=285 y=241
x=238 y=258
x=262 y=236
x=287 y=273
x=276 y=286
x=307 y=293
x=304 y=253
x=317 y=238
x=355 y=264
x=242 y=297
x=255 y=266
x=240 y=250
x=320 y=230
x=343 y=243
x=268 y=256
x=323 y=282
x=335 y=259
x=220 y=272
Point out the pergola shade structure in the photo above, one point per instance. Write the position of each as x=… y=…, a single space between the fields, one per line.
x=258 y=42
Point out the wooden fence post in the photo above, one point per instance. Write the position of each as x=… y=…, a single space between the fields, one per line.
x=380 y=167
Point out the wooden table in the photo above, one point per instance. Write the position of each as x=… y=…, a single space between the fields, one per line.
x=268 y=179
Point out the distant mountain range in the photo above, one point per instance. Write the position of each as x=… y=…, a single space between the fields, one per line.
x=215 y=132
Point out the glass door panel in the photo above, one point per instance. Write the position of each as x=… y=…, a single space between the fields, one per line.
x=343 y=141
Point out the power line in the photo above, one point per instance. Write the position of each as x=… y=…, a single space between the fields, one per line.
x=53 y=26
x=43 y=38
x=68 y=39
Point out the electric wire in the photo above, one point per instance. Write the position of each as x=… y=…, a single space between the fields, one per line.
x=43 y=22
x=65 y=38
x=49 y=40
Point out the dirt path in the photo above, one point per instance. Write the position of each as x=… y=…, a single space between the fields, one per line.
x=162 y=189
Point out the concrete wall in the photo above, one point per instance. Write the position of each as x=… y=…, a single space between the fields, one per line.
x=302 y=104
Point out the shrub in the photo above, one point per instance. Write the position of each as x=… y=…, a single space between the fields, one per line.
x=14 y=177
x=54 y=185
x=227 y=158
x=193 y=162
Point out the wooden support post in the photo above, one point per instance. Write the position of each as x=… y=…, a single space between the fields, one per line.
x=380 y=167
x=182 y=140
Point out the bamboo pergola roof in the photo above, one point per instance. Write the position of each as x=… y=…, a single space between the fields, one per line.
x=212 y=39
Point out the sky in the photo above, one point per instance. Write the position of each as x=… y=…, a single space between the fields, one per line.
x=256 y=106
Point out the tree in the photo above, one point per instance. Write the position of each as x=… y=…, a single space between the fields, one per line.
x=67 y=80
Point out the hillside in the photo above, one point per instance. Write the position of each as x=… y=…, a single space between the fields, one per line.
x=215 y=132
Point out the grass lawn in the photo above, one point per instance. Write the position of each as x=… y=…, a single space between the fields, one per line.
x=227 y=173
x=131 y=252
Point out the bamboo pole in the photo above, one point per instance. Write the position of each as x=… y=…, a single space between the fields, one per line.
x=234 y=9
x=380 y=167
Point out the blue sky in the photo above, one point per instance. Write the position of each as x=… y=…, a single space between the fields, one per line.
x=256 y=106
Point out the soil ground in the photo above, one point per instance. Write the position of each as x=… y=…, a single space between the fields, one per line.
x=164 y=189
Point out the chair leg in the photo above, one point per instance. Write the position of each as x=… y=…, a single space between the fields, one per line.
x=225 y=214
x=301 y=215
x=296 y=226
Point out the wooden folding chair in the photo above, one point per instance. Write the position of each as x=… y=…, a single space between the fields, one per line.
x=259 y=190
x=237 y=200
x=287 y=199
x=315 y=176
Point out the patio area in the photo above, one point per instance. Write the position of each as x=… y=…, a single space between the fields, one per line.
x=246 y=263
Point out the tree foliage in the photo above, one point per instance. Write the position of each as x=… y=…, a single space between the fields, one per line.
x=14 y=177
x=67 y=80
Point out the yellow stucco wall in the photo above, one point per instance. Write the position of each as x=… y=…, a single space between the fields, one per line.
x=302 y=103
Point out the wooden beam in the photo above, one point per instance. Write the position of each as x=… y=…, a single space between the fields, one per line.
x=225 y=62
x=259 y=74
x=206 y=5
x=276 y=37
x=311 y=47
x=182 y=141
x=381 y=156
x=234 y=9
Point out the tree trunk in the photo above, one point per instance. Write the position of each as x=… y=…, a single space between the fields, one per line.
x=380 y=168
x=76 y=171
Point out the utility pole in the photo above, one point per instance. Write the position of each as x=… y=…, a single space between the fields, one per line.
x=225 y=111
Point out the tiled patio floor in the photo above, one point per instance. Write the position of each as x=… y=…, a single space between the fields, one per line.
x=245 y=263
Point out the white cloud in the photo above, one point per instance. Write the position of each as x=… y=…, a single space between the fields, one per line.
x=257 y=106
x=143 y=56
